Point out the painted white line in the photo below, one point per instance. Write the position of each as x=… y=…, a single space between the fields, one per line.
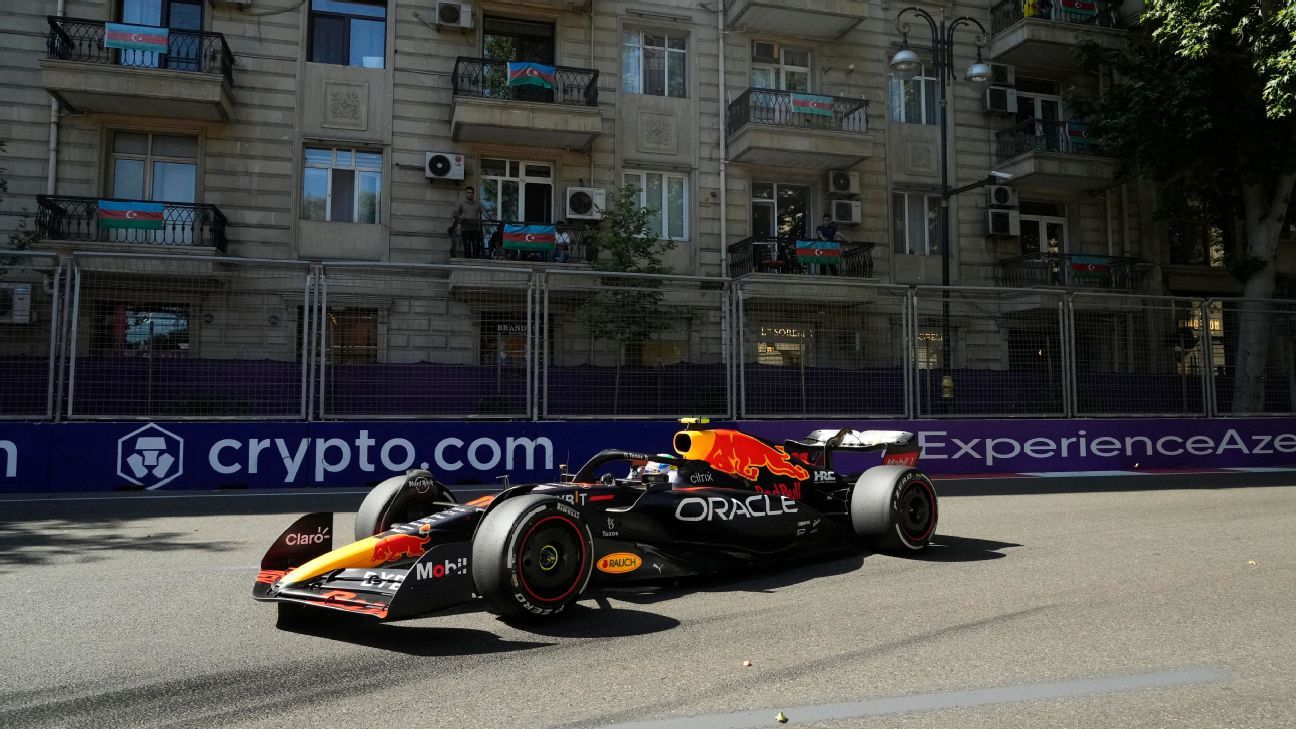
x=1080 y=474
x=943 y=700
x=1261 y=469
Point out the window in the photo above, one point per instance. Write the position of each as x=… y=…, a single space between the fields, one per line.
x=914 y=101
x=341 y=185
x=782 y=345
x=784 y=69
x=665 y=196
x=352 y=336
x=156 y=167
x=1043 y=228
x=930 y=348
x=177 y=15
x=141 y=330
x=653 y=63
x=348 y=32
x=514 y=190
x=915 y=226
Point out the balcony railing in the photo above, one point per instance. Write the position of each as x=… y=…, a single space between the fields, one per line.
x=485 y=79
x=1073 y=270
x=77 y=219
x=1038 y=135
x=74 y=39
x=765 y=254
x=811 y=111
x=1103 y=14
x=573 y=244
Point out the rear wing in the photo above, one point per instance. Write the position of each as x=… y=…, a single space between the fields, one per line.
x=898 y=447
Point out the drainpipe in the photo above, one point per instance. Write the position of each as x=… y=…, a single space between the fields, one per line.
x=591 y=65
x=51 y=178
x=724 y=143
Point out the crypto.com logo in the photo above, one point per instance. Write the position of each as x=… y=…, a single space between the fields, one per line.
x=150 y=457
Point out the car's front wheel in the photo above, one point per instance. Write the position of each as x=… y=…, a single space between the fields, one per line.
x=400 y=500
x=532 y=557
x=894 y=509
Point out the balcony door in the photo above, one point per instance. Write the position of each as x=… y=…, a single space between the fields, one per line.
x=1039 y=102
x=183 y=52
x=777 y=68
x=156 y=168
x=517 y=191
x=506 y=39
x=779 y=211
x=1043 y=228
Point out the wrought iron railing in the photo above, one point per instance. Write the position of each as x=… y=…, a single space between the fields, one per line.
x=573 y=243
x=77 y=219
x=1072 y=270
x=766 y=254
x=488 y=79
x=1095 y=14
x=813 y=111
x=76 y=39
x=1039 y=135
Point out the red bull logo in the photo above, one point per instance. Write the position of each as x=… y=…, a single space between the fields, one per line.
x=399 y=546
x=737 y=454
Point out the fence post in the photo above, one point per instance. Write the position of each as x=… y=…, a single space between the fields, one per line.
x=321 y=337
x=73 y=316
x=740 y=360
x=58 y=322
x=544 y=320
x=308 y=292
x=1209 y=405
x=1066 y=312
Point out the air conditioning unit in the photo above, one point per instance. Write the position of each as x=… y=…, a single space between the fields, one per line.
x=1002 y=75
x=1000 y=196
x=586 y=203
x=841 y=182
x=847 y=212
x=15 y=303
x=444 y=166
x=1001 y=99
x=1002 y=222
x=454 y=15
x=765 y=52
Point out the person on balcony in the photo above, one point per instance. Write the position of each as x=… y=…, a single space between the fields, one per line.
x=468 y=216
x=827 y=230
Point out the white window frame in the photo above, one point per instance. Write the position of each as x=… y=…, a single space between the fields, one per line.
x=641 y=181
x=356 y=188
x=781 y=68
x=637 y=46
x=928 y=247
x=898 y=112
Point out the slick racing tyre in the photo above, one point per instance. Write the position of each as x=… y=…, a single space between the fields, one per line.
x=532 y=557
x=399 y=500
x=893 y=508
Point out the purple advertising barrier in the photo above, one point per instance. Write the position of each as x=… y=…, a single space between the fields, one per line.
x=37 y=457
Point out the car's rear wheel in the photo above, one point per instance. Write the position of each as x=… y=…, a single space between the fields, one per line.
x=532 y=557
x=894 y=509
x=400 y=500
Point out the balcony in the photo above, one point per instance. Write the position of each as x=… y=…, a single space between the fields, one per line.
x=786 y=129
x=1072 y=270
x=72 y=222
x=821 y=19
x=574 y=244
x=770 y=255
x=1047 y=37
x=1053 y=155
x=192 y=80
x=487 y=109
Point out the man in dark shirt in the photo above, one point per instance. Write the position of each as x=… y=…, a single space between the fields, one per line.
x=468 y=217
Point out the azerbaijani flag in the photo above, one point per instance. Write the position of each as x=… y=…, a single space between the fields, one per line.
x=526 y=73
x=530 y=237
x=132 y=214
x=1080 y=7
x=821 y=252
x=136 y=37
x=812 y=104
x=1091 y=266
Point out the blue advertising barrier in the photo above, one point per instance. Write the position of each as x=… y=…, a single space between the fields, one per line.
x=44 y=457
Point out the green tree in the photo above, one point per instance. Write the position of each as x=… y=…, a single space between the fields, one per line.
x=628 y=310
x=1201 y=102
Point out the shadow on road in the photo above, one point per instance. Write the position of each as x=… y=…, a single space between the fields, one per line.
x=33 y=544
x=948 y=548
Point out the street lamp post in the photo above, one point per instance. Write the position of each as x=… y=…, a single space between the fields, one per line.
x=906 y=65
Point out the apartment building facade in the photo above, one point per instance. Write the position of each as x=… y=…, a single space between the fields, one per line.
x=347 y=131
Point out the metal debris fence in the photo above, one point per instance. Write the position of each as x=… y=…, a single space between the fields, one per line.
x=149 y=336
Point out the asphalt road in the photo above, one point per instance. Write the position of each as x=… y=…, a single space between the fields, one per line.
x=1091 y=608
